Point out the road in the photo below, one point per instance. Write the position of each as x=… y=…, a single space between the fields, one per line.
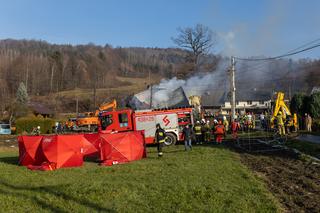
x=309 y=138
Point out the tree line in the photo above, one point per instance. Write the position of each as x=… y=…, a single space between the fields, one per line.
x=50 y=68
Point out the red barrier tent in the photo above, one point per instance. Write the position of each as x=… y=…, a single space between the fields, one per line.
x=122 y=147
x=53 y=152
x=29 y=150
x=57 y=151
x=94 y=139
x=63 y=150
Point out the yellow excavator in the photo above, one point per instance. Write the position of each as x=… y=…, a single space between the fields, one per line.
x=90 y=120
x=280 y=106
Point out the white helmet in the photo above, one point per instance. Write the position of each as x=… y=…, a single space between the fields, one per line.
x=215 y=121
x=224 y=118
x=198 y=122
x=38 y=127
x=208 y=121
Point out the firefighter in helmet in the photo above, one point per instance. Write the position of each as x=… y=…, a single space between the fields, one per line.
x=206 y=131
x=197 y=130
x=160 y=138
x=219 y=132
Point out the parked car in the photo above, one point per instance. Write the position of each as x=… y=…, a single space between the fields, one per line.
x=5 y=129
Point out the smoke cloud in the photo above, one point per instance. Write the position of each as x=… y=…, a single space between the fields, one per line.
x=197 y=84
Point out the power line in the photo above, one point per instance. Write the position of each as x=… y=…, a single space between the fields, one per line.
x=280 y=56
x=302 y=46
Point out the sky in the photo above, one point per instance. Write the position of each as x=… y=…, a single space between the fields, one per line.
x=243 y=28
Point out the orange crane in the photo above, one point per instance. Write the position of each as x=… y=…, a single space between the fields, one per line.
x=90 y=120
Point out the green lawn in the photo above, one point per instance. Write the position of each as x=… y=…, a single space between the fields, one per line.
x=206 y=179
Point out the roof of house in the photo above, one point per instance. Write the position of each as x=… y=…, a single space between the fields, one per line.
x=218 y=98
x=176 y=98
x=252 y=95
x=40 y=108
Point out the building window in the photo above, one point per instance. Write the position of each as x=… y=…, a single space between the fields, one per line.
x=249 y=102
x=261 y=102
x=237 y=102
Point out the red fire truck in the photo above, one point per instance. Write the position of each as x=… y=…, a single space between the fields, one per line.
x=171 y=120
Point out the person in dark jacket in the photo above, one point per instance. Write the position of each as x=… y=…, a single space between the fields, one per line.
x=187 y=134
x=160 y=137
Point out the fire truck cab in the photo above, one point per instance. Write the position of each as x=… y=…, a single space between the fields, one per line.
x=171 y=120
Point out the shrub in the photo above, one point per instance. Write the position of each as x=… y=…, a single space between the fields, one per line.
x=316 y=125
x=26 y=124
x=315 y=105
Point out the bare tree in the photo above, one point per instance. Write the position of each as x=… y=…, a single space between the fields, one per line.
x=199 y=40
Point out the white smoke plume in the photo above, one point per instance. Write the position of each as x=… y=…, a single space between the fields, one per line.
x=197 y=84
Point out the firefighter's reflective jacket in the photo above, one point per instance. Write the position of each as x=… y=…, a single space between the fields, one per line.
x=160 y=135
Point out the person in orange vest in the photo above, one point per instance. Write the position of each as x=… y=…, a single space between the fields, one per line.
x=219 y=132
x=235 y=126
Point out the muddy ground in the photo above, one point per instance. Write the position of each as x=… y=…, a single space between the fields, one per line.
x=295 y=182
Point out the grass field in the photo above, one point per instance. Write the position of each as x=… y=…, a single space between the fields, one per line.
x=207 y=179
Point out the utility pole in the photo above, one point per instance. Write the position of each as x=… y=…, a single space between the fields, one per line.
x=77 y=106
x=95 y=89
x=233 y=87
x=151 y=96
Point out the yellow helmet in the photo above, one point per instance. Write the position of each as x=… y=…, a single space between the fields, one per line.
x=280 y=113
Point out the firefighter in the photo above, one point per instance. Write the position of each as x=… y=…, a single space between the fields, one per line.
x=226 y=123
x=295 y=122
x=203 y=130
x=36 y=131
x=160 y=137
x=219 y=132
x=242 y=122
x=206 y=130
x=280 y=124
x=235 y=126
x=249 y=121
x=309 y=123
x=198 y=133
x=288 y=124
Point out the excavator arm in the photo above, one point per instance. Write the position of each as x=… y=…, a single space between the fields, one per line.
x=280 y=105
x=107 y=106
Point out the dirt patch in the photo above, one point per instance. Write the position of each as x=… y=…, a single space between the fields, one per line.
x=294 y=182
x=8 y=142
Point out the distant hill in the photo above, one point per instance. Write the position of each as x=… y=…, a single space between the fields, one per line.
x=58 y=74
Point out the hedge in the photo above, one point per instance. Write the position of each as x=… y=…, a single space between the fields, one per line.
x=26 y=124
x=316 y=125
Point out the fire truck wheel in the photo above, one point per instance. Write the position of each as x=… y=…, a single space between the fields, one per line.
x=171 y=139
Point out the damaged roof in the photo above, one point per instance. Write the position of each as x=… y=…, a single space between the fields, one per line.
x=176 y=98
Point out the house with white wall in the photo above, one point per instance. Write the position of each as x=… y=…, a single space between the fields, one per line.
x=246 y=101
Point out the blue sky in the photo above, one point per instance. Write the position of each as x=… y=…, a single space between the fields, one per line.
x=243 y=28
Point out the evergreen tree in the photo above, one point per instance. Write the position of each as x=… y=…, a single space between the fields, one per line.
x=22 y=94
x=315 y=105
